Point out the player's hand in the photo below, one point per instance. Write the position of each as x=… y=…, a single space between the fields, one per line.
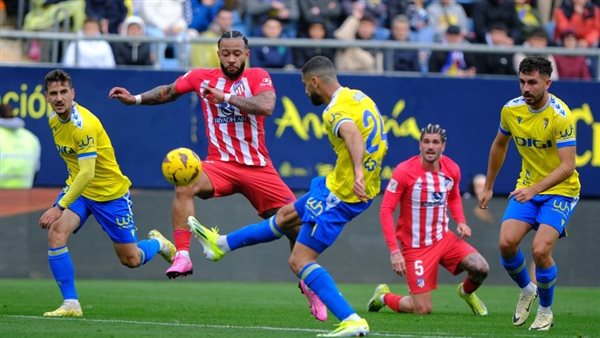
x=213 y=94
x=359 y=186
x=522 y=195
x=122 y=95
x=49 y=217
x=484 y=198
x=463 y=230
x=398 y=263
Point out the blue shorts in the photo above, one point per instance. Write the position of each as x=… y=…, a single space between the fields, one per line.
x=324 y=215
x=115 y=217
x=554 y=210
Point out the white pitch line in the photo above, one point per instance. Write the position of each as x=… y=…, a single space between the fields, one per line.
x=239 y=327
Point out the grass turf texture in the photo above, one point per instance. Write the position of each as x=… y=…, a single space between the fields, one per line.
x=210 y=309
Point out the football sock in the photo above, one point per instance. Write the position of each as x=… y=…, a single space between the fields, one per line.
x=182 y=239
x=469 y=286
x=320 y=281
x=261 y=232
x=148 y=249
x=61 y=265
x=392 y=301
x=516 y=269
x=546 y=279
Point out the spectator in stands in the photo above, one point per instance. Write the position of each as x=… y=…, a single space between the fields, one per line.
x=89 y=53
x=205 y=55
x=286 y=11
x=358 y=27
x=528 y=17
x=488 y=13
x=271 y=56
x=537 y=39
x=580 y=16
x=132 y=52
x=373 y=8
x=19 y=151
x=405 y=60
x=455 y=62
x=571 y=66
x=444 y=13
x=419 y=21
x=110 y=14
x=329 y=11
x=395 y=8
x=204 y=13
x=499 y=63
x=317 y=30
x=165 y=18
x=49 y=17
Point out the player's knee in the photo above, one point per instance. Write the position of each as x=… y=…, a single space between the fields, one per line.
x=295 y=264
x=185 y=192
x=56 y=237
x=422 y=309
x=540 y=252
x=130 y=261
x=508 y=246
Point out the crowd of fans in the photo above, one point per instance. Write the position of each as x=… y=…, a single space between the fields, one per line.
x=535 y=23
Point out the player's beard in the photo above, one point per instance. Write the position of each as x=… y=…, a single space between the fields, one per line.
x=533 y=100
x=233 y=75
x=316 y=99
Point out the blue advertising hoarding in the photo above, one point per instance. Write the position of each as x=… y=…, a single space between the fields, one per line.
x=468 y=108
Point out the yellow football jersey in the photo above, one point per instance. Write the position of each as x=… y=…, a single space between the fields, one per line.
x=83 y=136
x=349 y=105
x=538 y=135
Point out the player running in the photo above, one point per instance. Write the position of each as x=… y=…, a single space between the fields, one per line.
x=426 y=186
x=547 y=190
x=95 y=186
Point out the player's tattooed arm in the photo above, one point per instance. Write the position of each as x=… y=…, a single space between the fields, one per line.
x=261 y=104
x=160 y=94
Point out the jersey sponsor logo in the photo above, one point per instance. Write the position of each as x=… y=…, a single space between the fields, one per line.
x=314 y=206
x=532 y=143
x=393 y=185
x=84 y=143
x=266 y=82
x=230 y=119
x=370 y=164
x=560 y=206
x=226 y=108
x=567 y=132
x=65 y=149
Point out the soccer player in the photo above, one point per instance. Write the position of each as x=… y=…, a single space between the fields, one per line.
x=547 y=189
x=426 y=186
x=95 y=186
x=235 y=102
x=355 y=130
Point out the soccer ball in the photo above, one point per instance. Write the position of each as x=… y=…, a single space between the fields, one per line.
x=181 y=166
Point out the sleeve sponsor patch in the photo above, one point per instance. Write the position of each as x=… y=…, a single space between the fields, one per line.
x=392 y=186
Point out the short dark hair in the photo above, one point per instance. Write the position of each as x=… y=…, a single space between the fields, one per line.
x=6 y=111
x=434 y=129
x=321 y=66
x=532 y=63
x=58 y=75
x=233 y=35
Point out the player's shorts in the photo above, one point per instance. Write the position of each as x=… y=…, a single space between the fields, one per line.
x=554 y=210
x=422 y=263
x=324 y=215
x=115 y=217
x=262 y=186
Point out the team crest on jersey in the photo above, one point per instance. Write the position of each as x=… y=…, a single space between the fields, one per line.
x=238 y=89
x=393 y=185
x=519 y=119
x=420 y=282
x=546 y=121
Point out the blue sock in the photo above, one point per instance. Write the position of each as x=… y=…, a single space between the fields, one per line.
x=516 y=269
x=61 y=265
x=261 y=232
x=149 y=248
x=320 y=281
x=546 y=279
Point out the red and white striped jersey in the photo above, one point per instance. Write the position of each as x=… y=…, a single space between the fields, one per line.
x=424 y=197
x=233 y=135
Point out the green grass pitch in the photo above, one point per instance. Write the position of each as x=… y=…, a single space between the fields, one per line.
x=185 y=308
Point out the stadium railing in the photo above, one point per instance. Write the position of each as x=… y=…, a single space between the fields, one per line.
x=385 y=46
